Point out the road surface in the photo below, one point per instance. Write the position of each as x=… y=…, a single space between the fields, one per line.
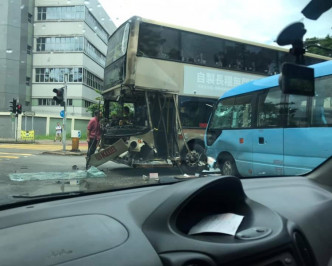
x=19 y=161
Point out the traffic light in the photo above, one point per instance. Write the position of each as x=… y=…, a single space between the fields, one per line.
x=19 y=109
x=13 y=106
x=59 y=96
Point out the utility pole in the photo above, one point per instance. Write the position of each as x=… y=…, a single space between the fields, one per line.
x=65 y=114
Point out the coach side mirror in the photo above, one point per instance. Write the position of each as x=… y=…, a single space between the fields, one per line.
x=297 y=79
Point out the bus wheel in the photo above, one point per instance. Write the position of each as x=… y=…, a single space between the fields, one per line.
x=195 y=160
x=227 y=166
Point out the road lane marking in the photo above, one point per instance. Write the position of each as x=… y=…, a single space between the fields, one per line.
x=9 y=157
x=38 y=147
x=13 y=153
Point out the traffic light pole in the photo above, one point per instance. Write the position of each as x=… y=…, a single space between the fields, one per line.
x=64 y=133
x=15 y=126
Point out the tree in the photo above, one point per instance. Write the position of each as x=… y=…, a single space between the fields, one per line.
x=96 y=106
x=320 y=46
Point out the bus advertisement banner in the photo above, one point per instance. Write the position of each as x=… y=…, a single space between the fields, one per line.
x=210 y=82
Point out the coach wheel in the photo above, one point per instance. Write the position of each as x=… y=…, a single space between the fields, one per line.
x=227 y=166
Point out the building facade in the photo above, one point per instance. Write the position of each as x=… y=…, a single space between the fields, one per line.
x=64 y=39
x=16 y=43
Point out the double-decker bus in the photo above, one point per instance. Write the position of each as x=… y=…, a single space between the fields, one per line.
x=169 y=77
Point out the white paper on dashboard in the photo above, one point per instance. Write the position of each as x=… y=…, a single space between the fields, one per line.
x=226 y=223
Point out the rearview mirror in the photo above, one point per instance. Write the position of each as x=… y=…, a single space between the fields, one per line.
x=292 y=34
x=297 y=79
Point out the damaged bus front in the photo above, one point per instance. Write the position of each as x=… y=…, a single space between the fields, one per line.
x=146 y=122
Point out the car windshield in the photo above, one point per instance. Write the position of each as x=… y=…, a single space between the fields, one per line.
x=111 y=94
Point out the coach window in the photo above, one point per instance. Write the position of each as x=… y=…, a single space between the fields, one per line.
x=222 y=116
x=297 y=111
x=241 y=117
x=269 y=108
x=322 y=103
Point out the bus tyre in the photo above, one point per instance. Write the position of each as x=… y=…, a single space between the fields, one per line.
x=194 y=161
x=227 y=166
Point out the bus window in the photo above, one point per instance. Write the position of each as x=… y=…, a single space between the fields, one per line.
x=159 y=42
x=297 y=111
x=195 y=112
x=150 y=40
x=268 y=113
x=117 y=45
x=234 y=55
x=322 y=103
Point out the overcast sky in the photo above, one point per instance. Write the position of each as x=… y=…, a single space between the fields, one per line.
x=255 y=20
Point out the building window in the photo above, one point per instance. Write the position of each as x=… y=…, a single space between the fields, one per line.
x=72 y=13
x=27 y=81
x=61 y=44
x=69 y=102
x=41 y=13
x=61 y=13
x=51 y=102
x=70 y=44
x=29 y=17
x=75 y=74
x=94 y=24
x=29 y=49
x=92 y=51
x=46 y=102
x=87 y=104
x=92 y=80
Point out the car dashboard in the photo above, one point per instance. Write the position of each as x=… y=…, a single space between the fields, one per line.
x=286 y=222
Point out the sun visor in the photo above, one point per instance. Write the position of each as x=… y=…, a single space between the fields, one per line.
x=316 y=8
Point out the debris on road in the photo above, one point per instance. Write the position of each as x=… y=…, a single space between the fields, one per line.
x=93 y=172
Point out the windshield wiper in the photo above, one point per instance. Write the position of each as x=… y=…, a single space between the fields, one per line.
x=53 y=195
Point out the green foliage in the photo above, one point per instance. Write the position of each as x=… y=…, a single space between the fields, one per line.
x=94 y=107
x=115 y=108
x=325 y=44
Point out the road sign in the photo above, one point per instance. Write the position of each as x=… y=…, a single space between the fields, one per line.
x=29 y=113
x=76 y=133
x=62 y=113
x=27 y=135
